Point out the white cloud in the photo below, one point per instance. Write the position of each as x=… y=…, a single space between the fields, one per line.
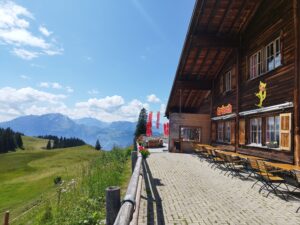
x=93 y=92
x=162 y=108
x=15 y=32
x=69 y=89
x=25 y=54
x=152 y=98
x=56 y=85
x=45 y=31
x=24 y=77
x=26 y=101
x=108 y=102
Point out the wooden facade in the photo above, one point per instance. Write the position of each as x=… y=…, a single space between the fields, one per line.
x=241 y=66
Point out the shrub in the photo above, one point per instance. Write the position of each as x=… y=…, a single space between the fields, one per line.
x=57 y=180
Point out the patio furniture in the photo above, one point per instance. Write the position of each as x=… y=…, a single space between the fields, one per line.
x=236 y=165
x=253 y=168
x=270 y=180
x=217 y=160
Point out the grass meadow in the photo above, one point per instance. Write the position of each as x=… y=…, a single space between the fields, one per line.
x=27 y=182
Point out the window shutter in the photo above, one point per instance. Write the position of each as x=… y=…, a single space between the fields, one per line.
x=242 y=135
x=213 y=132
x=285 y=131
x=232 y=132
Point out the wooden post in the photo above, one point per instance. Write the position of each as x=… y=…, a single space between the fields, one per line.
x=6 y=218
x=133 y=159
x=296 y=12
x=237 y=88
x=113 y=204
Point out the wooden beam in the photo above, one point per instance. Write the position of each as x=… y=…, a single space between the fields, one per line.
x=213 y=61
x=194 y=84
x=189 y=98
x=246 y=23
x=237 y=102
x=176 y=109
x=238 y=16
x=213 y=13
x=203 y=62
x=228 y=8
x=212 y=41
x=296 y=15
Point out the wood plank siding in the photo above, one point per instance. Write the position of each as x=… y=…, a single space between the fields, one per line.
x=244 y=55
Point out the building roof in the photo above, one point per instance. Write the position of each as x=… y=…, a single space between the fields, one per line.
x=213 y=35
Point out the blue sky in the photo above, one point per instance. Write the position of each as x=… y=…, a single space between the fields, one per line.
x=97 y=58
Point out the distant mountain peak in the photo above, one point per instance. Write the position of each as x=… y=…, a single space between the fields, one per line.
x=89 y=129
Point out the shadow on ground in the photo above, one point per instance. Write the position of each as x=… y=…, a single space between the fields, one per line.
x=154 y=202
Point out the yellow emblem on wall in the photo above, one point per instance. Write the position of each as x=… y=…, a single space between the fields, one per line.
x=262 y=94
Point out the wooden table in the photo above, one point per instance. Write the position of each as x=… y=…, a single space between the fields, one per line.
x=242 y=156
x=283 y=166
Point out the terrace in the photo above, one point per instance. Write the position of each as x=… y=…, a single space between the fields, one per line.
x=190 y=189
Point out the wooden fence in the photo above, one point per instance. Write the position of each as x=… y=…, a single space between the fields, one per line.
x=129 y=210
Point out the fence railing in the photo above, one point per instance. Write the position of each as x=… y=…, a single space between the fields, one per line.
x=129 y=210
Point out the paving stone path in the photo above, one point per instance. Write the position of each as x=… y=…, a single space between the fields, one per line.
x=185 y=190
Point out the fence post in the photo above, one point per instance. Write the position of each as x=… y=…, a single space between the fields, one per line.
x=134 y=155
x=113 y=204
x=6 y=218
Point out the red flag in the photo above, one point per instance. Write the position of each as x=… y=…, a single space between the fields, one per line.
x=149 y=125
x=157 y=120
x=148 y=130
x=165 y=129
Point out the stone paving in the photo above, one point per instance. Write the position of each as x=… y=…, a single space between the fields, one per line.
x=185 y=190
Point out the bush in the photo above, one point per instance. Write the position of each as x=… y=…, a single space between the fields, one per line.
x=57 y=180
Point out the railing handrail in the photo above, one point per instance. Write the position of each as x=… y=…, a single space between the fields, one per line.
x=128 y=205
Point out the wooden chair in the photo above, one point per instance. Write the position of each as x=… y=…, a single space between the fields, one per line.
x=270 y=180
x=219 y=162
x=236 y=166
x=296 y=175
x=225 y=164
x=253 y=169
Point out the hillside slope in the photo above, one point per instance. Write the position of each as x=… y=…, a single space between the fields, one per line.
x=27 y=174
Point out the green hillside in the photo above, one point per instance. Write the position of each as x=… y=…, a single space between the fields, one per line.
x=26 y=175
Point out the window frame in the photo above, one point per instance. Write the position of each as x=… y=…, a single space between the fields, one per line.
x=258 y=141
x=190 y=128
x=228 y=81
x=226 y=135
x=275 y=130
x=259 y=70
x=264 y=130
x=220 y=130
x=259 y=60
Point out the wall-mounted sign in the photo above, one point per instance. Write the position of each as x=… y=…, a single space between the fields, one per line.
x=262 y=94
x=223 y=110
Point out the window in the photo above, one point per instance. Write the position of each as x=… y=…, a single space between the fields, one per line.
x=273 y=55
x=265 y=59
x=272 y=131
x=190 y=134
x=220 y=131
x=227 y=132
x=256 y=65
x=255 y=131
x=228 y=81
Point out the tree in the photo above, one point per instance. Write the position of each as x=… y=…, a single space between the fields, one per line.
x=98 y=146
x=48 y=144
x=19 y=140
x=141 y=124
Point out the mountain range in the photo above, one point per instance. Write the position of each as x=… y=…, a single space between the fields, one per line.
x=118 y=133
